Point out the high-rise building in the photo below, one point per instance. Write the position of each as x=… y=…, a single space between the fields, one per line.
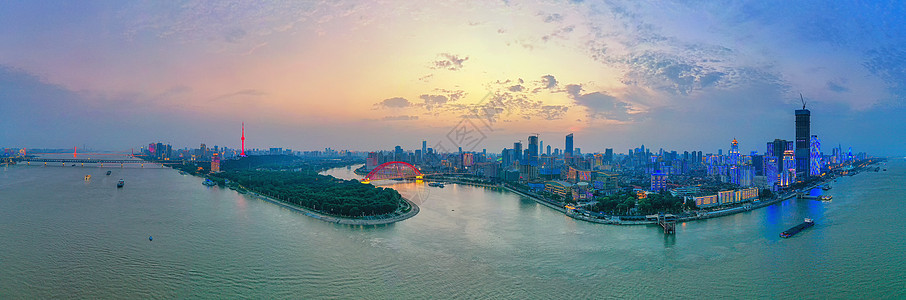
x=608 y=155
x=658 y=182
x=467 y=159
x=517 y=152
x=803 y=136
x=568 y=150
x=788 y=174
x=779 y=159
x=548 y=150
x=215 y=163
x=734 y=152
x=816 y=165
x=372 y=161
x=533 y=150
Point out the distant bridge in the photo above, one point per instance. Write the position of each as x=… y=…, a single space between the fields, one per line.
x=393 y=170
x=83 y=161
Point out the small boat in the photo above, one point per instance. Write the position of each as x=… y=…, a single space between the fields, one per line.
x=826 y=187
x=87 y=177
x=150 y=238
x=208 y=182
x=436 y=184
x=121 y=183
x=108 y=173
x=826 y=198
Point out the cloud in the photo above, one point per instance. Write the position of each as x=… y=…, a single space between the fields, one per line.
x=448 y=61
x=553 y=18
x=395 y=102
x=517 y=88
x=573 y=90
x=549 y=81
x=242 y=93
x=399 y=118
x=836 y=87
x=432 y=101
x=669 y=73
x=603 y=106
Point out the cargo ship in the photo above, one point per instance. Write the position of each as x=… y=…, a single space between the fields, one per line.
x=796 y=229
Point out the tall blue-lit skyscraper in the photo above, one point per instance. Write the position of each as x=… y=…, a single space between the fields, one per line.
x=817 y=165
x=803 y=135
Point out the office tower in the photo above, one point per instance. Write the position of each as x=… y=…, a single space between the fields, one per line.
x=398 y=153
x=533 y=150
x=540 y=147
x=608 y=154
x=548 y=150
x=215 y=163
x=803 y=135
x=517 y=152
x=815 y=157
x=568 y=150
x=788 y=173
x=734 y=152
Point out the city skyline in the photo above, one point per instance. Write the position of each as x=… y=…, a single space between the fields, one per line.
x=617 y=75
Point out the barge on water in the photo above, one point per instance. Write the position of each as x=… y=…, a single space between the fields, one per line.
x=796 y=229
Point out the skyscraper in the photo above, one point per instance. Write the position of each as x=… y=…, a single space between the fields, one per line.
x=533 y=150
x=803 y=135
x=517 y=152
x=815 y=157
x=568 y=150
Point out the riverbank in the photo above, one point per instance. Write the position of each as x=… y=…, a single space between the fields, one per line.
x=413 y=210
x=699 y=215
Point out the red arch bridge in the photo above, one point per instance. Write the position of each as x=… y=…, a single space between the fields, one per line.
x=393 y=170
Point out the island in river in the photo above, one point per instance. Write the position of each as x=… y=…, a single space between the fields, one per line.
x=323 y=197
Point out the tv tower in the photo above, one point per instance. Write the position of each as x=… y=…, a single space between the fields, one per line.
x=243 y=140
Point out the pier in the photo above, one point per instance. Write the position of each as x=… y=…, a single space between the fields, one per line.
x=668 y=222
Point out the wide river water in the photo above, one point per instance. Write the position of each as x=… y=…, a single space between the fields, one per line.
x=64 y=237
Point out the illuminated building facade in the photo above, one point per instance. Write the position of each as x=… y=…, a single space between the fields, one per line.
x=803 y=135
x=215 y=163
x=468 y=159
x=817 y=164
x=788 y=174
x=658 y=182
x=706 y=201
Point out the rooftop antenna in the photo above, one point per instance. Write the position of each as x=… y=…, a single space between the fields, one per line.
x=803 y=100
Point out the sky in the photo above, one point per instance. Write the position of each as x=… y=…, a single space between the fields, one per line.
x=370 y=75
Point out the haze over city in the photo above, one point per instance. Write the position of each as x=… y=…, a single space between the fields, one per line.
x=363 y=76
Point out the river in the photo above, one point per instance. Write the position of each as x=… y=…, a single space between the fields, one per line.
x=64 y=237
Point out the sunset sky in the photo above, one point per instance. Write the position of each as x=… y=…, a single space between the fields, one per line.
x=369 y=75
